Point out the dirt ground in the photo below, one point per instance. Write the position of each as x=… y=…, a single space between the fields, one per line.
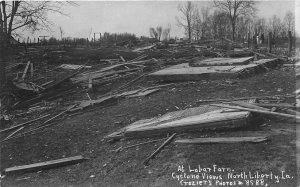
x=84 y=134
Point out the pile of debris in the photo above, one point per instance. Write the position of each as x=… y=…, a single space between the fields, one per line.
x=156 y=63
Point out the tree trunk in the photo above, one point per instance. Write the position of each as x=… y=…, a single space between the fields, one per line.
x=233 y=31
x=3 y=51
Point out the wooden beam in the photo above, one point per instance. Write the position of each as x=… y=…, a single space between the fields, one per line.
x=159 y=149
x=280 y=105
x=60 y=114
x=258 y=111
x=222 y=140
x=122 y=59
x=45 y=165
x=25 y=70
x=135 y=145
x=12 y=134
x=25 y=123
x=248 y=105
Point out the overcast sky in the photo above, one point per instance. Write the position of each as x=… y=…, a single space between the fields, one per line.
x=137 y=16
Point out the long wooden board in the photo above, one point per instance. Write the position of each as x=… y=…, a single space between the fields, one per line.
x=45 y=165
x=222 y=140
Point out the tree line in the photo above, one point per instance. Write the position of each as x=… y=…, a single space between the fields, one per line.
x=233 y=19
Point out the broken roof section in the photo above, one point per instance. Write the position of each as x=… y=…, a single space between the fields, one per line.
x=185 y=72
x=197 y=118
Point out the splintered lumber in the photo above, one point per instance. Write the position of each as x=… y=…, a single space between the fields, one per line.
x=144 y=93
x=25 y=70
x=122 y=59
x=57 y=82
x=12 y=134
x=257 y=111
x=45 y=124
x=45 y=165
x=144 y=48
x=131 y=82
x=135 y=145
x=73 y=67
x=90 y=103
x=290 y=111
x=221 y=140
x=247 y=105
x=276 y=56
x=244 y=98
x=160 y=86
x=159 y=149
x=59 y=114
x=46 y=83
x=280 y=105
x=23 y=124
x=221 y=61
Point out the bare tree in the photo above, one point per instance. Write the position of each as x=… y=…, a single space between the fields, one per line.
x=61 y=32
x=185 y=20
x=159 y=32
x=153 y=33
x=275 y=26
x=234 y=9
x=205 y=30
x=197 y=24
x=221 y=24
x=166 y=32
x=289 y=20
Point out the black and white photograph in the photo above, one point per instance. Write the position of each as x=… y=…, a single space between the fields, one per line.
x=158 y=93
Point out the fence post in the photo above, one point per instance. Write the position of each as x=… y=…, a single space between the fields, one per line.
x=270 y=42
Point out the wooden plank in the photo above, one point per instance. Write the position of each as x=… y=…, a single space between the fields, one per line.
x=276 y=56
x=61 y=113
x=31 y=70
x=25 y=70
x=90 y=103
x=12 y=134
x=25 y=123
x=222 y=140
x=159 y=149
x=278 y=105
x=248 y=105
x=45 y=165
x=144 y=93
x=135 y=145
x=258 y=111
x=122 y=59
x=244 y=98
x=57 y=82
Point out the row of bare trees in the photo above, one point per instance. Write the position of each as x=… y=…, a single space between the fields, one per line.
x=230 y=19
x=160 y=33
